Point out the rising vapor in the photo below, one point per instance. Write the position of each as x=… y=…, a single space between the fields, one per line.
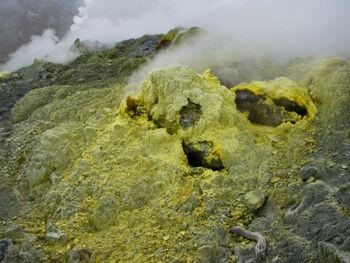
x=236 y=28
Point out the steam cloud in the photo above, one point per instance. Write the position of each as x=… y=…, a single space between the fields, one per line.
x=236 y=28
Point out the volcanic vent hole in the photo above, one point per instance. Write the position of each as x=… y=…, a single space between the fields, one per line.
x=132 y=106
x=200 y=154
x=261 y=112
x=190 y=114
x=292 y=106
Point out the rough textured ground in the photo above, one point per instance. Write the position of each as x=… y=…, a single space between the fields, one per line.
x=93 y=173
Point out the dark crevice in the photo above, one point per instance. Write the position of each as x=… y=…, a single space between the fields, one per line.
x=291 y=106
x=245 y=96
x=200 y=154
x=131 y=106
x=259 y=112
x=134 y=109
x=190 y=114
x=262 y=112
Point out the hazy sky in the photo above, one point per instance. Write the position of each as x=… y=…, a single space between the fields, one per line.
x=281 y=28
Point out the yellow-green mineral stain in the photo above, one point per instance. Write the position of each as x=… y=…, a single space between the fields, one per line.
x=130 y=187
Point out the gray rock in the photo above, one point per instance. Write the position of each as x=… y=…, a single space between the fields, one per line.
x=97 y=152
x=56 y=177
x=220 y=236
x=307 y=172
x=22 y=252
x=338 y=240
x=146 y=45
x=54 y=234
x=206 y=254
x=210 y=209
x=106 y=213
x=254 y=199
x=346 y=245
x=79 y=255
x=4 y=246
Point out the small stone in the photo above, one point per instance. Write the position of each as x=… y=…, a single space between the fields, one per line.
x=345 y=167
x=106 y=213
x=254 y=199
x=56 y=177
x=207 y=254
x=79 y=255
x=307 y=172
x=97 y=152
x=220 y=236
x=54 y=234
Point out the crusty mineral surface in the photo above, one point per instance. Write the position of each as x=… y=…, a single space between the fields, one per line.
x=162 y=174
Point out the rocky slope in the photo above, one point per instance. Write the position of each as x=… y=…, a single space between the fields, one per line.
x=92 y=172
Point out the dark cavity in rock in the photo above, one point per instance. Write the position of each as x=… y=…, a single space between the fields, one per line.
x=259 y=112
x=201 y=154
x=133 y=108
x=291 y=106
x=190 y=114
x=263 y=113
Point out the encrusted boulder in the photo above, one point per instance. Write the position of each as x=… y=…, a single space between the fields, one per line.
x=106 y=212
x=54 y=151
x=255 y=199
x=54 y=234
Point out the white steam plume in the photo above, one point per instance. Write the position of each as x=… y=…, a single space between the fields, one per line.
x=280 y=28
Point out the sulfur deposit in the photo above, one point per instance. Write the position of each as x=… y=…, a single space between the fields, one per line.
x=151 y=172
x=98 y=174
